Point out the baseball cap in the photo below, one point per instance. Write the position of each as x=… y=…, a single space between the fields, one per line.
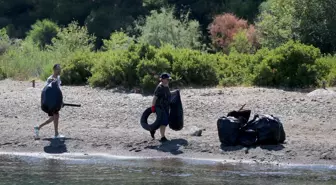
x=165 y=76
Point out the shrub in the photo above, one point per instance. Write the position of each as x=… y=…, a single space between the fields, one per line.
x=76 y=69
x=115 y=68
x=118 y=40
x=163 y=27
x=4 y=41
x=194 y=67
x=2 y=74
x=326 y=67
x=25 y=60
x=43 y=32
x=290 y=65
x=148 y=71
x=235 y=69
x=72 y=38
x=224 y=27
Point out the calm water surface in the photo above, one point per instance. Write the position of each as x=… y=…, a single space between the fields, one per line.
x=88 y=170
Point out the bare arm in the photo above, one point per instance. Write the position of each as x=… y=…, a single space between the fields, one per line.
x=154 y=100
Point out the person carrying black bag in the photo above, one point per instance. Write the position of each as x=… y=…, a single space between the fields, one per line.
x=161 y=104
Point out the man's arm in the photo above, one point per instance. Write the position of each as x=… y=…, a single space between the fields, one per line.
x=154 y=100
x=157 y=94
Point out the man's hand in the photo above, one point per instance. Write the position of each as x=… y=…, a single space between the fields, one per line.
x=153 y=109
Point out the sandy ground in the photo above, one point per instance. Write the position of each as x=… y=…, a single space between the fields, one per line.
x=108 y=122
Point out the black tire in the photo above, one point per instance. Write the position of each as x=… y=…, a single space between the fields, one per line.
x=144 y=121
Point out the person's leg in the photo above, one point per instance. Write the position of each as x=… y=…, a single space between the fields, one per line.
x=163 y=127
x=56 y=118
x=37 y=128
x=51 y=118
x=162 y=131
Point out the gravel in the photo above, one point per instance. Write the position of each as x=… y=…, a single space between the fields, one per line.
x=108 y=122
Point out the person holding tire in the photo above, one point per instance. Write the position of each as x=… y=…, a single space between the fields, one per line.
x=161 y=105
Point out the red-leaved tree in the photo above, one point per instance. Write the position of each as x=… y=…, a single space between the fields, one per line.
x=225 y=26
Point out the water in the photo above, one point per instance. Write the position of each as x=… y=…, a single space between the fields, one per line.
x=90 y=170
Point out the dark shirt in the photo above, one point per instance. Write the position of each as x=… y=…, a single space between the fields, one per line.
x=163 y=94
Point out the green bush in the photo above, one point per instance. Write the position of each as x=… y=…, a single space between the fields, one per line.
x=43 y=32
x=148 y=71
x=235 y=69
x=327 y=69
x=290 y=65
x=4 y=41
x=162 y=27
x=77 y=68
x=194 y=67
x=115 y=68
x=25 y=60
x=118 y=40
x=2 y=74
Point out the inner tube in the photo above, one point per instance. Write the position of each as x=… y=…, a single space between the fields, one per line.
x=175 y=118
x=144 y=121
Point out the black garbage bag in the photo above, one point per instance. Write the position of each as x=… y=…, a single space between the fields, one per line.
x=228 y=130
x=247 y=137
x=269 y=129
x=51 y=98
x=242 y=115
x=176 y=111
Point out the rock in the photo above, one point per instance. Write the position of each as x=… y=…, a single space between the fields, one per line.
x=321 y=92
x=197 y=133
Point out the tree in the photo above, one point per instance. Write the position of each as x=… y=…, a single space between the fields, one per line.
x=72 y=38
x=276 y=23
x=118 y=40
x=317 y=23
x=43 y=32
x=165 y=28
x=224 y=27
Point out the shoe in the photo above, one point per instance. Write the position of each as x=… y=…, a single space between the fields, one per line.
x=152 y=133
x=163 y=139
x=36 y=130
x=58 y=136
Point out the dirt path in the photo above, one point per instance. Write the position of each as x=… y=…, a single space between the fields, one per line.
x=109 y=122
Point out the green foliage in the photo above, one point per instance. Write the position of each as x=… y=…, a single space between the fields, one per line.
x=43 y=32
x=72 y=38
x=76 y=69
x=115 y=68
x=118 y=40
x=148 y=71
x=276 y=23
x=291 y=65
x=241 y=43
x=24 y=60
x=194 y=67
x=327 y=69
x=2 y=74
x=317 y=23
x=4 y=41
x=165 y=28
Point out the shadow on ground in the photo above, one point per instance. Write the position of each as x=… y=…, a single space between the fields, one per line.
x=56 y=146
x=173 y=146
x=264 y=147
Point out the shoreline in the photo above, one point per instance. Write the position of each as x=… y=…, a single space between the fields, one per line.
x=197 y=160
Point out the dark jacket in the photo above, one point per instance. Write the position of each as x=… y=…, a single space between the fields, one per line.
x=163 y=95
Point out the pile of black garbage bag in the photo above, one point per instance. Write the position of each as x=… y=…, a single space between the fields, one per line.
x=236 y=129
